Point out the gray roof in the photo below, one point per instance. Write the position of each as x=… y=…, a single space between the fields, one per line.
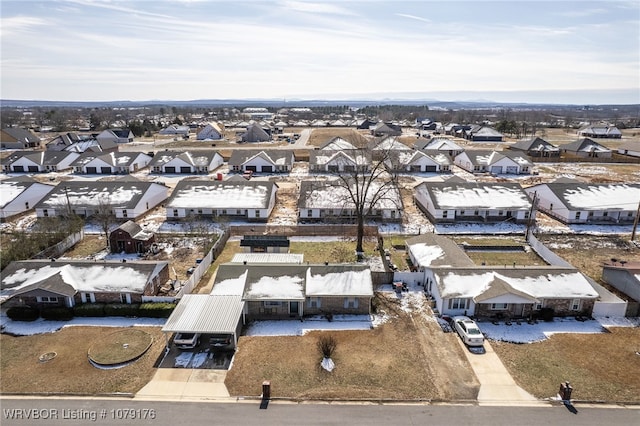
x=489 y=157
x=206 y=313
x=533 y=144
x=44 y=158
x=337 y=143
x=273 y=156
x=20 y=134
x=595 y=196
x=452 y=195
x=584 y=144
x=193 y=158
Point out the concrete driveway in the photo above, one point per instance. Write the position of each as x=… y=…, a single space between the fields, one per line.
x=497 y=387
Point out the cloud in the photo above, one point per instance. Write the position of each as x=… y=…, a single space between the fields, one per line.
x=417 y=18
x=309 y=7
x=17 y=24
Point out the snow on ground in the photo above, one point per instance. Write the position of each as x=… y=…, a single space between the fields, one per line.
x=299 y=328
x=22 y=328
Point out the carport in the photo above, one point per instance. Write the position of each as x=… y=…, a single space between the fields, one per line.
x=206 y=314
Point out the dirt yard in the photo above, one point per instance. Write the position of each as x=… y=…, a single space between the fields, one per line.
x=70 y=371
x=407 y=358
x=600 y=367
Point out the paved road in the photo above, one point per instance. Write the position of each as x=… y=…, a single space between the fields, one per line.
x=126 y=412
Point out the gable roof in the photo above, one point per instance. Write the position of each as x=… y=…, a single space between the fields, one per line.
x=255 y=133
x=334 y=195
x=15 y=134
x=387 y=143
x=439 y=143
x=534 y=144
x=337 y=143
x=595 y=196
x=221 y=194
x=44 y=158
x=451 y=195
x=67 y=277
x=124 y=193
x=340 y=157
x=431 y=250
x=11 y=188
x=584 y=145
x=489 y=157
x=282 y=157
x=135 y=231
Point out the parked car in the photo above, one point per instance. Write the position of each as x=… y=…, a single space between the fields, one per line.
x=468 y=331
x=220 y=340
x=187 y=340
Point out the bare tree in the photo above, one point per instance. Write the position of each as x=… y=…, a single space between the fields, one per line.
x=366 y=187
x=105 y=215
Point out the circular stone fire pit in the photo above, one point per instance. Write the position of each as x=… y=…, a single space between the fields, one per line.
x=119 y=348
x=47 y=356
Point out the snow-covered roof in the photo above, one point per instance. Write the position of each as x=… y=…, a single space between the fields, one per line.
x=321 y=282
x=221 y=194
x=268 y=258
x=537 y=282
x=468 y=195
x=323 y=195
x=103 y=277
x=430 y=250
x=596 y=196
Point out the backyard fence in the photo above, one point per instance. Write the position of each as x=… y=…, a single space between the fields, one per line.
x=61 y=247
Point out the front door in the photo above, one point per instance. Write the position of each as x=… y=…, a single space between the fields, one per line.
x=293 y=308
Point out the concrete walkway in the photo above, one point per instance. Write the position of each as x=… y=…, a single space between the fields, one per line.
x=186 y=384
x=497 y=387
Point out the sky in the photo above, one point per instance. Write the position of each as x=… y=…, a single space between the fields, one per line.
x=509 y=51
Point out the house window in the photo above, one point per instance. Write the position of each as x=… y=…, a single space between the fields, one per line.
x=539 y=305
x=125 y=298
x=271 y=304
x=499 y=306
x=577 y=215
x=461 y=212
x=238 y=212
x=526 y=215
x=576 y=304
x=500 y=212
x=224 y=212
x=45 y=213
x=551 y=206
x=257 y=213
x=458 y=303
x=350 y=302
x=314 y=302
x=445 y=214
x=199 y=211
x=476 y=212
x=124 y=213
x=47 y=299
x=605 y=214
x=236 y=168
x=175 y=212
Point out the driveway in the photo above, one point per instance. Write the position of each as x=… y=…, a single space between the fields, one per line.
x=497 y=387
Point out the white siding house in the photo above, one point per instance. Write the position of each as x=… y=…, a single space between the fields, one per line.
x=19 y=195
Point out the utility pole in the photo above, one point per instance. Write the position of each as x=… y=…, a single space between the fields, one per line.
x=531 y=213
x=66 y=193
x=635 y=224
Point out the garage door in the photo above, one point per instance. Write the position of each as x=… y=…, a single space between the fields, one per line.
x=184 y=170
x=496 y=169
x=33 y=168
x=18 y=168
x=432 y=169
x=170 y=169
x=512 y=170
x=267 y=169
x=251 y=168
x=92 y=170
x=105 y=170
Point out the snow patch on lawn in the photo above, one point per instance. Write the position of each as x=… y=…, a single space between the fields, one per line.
x=300 y=328
x=40 y=326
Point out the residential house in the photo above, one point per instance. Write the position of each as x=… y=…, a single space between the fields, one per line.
x=600 y=131
x=417 y=162
x=116 y=135
x=41 y=161
x=18 y=138
x=386 y=144
x=631 y=149
x=111 y=163
x=283 y=291
x=186 y=162
x=175 y=130
x=483 y=134
x=494 y=162
x=250 y=200
x=586 y=148
x=457 y=130
x=255 y=133
x=65 y=283
x=131 y=238
x=210 y=132
x=331 y=201
x=337 y=144
x=575 y=202
x=74 y=142
x=455 y=201
x=19 y=195
x=440 y=144
x=261 y=161
x=339 y=161
x=365 y=124
x=126 y=198
x=458 y=287
x=386 y=129
x=536 y=147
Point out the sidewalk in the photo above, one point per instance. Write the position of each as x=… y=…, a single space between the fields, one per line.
x=497 y=387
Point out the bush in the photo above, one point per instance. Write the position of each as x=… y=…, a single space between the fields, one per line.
x=546 y=314
x=156 y=310
x=57 y=314
x=327 y=345
x=89 y=310
x=23 y=313
x=121 y=309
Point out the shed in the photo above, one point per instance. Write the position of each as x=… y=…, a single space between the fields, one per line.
x=265 y=244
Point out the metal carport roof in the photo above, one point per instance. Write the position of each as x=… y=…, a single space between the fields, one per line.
x=206 y=314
